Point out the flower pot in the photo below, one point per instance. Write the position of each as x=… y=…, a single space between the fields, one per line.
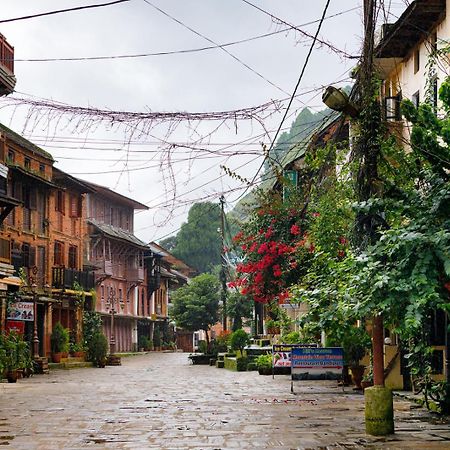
x=273 y=330
x=265 y=371
x=56 y=357
x=357 y=376
x=12 y=376
x=79 y=354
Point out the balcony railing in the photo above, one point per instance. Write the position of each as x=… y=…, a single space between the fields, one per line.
x=65 y=278
x=104 y=267
x=6 y=55
x=7 y=78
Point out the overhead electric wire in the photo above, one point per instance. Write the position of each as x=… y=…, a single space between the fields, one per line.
x=177 y=52
x=316 y=38
x=293 y=93
x=60 y=11
x=215 y=43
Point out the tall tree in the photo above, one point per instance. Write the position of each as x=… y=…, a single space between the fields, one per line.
x=196 y=305
x=198 y=242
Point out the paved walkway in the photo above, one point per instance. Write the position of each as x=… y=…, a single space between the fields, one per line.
x=159 y=401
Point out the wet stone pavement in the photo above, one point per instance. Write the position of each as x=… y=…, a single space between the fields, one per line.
x=160 y=401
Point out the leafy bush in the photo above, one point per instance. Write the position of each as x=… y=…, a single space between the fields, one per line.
x=239 y=339
x=291 y=338
x=59 y=339
x=264 y=361
x=98 y=349
x=202 y=347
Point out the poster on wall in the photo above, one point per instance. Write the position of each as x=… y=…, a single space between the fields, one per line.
x=21 y=311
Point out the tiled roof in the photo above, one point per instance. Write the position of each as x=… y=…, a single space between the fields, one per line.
x=117 y=233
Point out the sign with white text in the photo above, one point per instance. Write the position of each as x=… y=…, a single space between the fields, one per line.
x=281 y=353
x=317 y=363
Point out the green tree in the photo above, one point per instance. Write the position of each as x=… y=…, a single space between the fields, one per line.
x=198 y=242
x=196 y=305
x=238 y=307
x=169 y=243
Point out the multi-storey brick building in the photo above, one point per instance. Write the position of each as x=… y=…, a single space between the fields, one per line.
x=118 y=258
x=42 y=238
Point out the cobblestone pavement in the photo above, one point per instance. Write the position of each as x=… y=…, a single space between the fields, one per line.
x=160 y=401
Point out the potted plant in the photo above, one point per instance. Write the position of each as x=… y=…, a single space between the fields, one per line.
x=15 y=356
x=264 y=364
x=59 y=341
x=77 y=349
x=355 y=344
x=157 y=339
x=98 y=349
x=272 y=326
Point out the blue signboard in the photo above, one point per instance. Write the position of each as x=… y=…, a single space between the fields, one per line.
x=317 y=363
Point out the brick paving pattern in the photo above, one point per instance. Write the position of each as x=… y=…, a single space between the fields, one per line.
x=160 y=401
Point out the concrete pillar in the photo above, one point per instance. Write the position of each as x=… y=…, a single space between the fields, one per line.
x=379 y=411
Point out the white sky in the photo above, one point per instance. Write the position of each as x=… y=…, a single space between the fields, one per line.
x=205 y=81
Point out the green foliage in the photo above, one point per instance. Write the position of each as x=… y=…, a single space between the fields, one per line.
x=293 y=337
x=169 y=243
x=239 y=339
x=14 y=353
x=157 y=337
x=239 y=307
x=92 y=324
x=59 y=339
x=202 y=346
x=264 y=361
x=145 y=343
x=196 y=305
x=98 y=349
x=198 y=243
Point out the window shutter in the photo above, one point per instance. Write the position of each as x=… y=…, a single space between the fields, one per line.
x=32 y=257
x=33 y=199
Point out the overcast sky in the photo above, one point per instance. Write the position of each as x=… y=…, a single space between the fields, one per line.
x=210 y=80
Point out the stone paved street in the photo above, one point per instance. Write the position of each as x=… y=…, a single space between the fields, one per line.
x=160 y=401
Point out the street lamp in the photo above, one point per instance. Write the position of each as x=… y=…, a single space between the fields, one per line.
x=35 y=331
x=112 y=311
x=337 y=100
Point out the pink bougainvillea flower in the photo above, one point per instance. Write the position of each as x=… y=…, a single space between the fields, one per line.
x=295 y=230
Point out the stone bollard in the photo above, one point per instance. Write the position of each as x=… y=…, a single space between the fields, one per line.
x=379 y=411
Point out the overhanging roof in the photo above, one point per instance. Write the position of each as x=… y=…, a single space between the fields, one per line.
x=414 y=25
x=117 y=233
x=31 y=175
x=25 y=143
x=67 y=180
x=106 y=192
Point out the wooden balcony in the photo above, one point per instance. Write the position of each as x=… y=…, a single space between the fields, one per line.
x=7 y=78
x=103 y=268
x=65 y=278
x=135 y=274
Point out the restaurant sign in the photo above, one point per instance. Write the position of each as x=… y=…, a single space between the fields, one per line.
x=317 y=363
x=21 y=311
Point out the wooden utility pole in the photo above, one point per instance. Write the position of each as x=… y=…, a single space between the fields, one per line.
x=223 y=273
x=378 y=399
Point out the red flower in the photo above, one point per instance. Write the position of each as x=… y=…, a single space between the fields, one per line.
x=341 y=253
x=269 y=233
x=315 y=214
x=295 y=230
x=342 y=240
x=277 y=270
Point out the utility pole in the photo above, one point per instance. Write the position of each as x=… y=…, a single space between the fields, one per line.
x=378 y=399
x=223 y=276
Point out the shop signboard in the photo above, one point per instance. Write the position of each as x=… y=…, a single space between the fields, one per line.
x=281 y=353
x=21 y=311
x=317 y=363
x=16 y=326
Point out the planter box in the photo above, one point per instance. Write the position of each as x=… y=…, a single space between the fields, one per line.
x=200 y=358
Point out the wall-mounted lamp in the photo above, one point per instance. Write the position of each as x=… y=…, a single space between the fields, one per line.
x=337 y=100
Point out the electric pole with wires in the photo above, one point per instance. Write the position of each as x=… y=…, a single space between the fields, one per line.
x=223 y=265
